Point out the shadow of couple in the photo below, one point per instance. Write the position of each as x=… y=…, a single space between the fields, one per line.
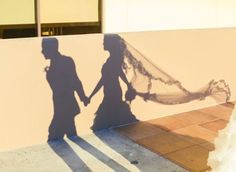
x=63 y=80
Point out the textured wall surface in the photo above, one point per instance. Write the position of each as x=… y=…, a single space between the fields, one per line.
x=194 y=57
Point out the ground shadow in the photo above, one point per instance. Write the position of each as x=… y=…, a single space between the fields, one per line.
x=68 y=155
x=179 y=145
x=99 y=155
x=187 y=142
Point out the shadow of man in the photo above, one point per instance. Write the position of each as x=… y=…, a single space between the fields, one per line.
x=63 y=80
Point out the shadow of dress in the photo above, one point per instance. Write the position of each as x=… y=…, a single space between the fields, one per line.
x=113 y=111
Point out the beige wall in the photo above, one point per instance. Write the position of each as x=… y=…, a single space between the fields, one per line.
x=194 y=57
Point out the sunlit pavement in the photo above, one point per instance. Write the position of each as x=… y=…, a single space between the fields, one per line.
x=104 y=151
x=186 y=139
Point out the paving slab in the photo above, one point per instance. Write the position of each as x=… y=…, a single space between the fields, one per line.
x=215 y=125
x=218 y=111
x=194 y=158
x=196 y=134
x=102 y=151
x=164 y=143
x=139 y=130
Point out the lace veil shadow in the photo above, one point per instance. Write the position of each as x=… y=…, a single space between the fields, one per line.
x=152 y=83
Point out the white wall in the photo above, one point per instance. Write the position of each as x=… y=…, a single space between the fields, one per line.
x=146 y=15
x=226 y=13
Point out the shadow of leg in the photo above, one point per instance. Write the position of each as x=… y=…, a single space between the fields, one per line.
x=67 y=154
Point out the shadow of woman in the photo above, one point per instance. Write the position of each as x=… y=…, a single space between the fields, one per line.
x=63 y=80
x=113 y=111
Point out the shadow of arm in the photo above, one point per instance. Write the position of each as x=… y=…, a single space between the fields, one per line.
x=97 y=88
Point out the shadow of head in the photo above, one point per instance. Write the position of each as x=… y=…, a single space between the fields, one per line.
x=113 y=42
x=49 y=47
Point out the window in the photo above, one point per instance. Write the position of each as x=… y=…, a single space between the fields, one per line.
x=54 y=17
x=17 y=18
